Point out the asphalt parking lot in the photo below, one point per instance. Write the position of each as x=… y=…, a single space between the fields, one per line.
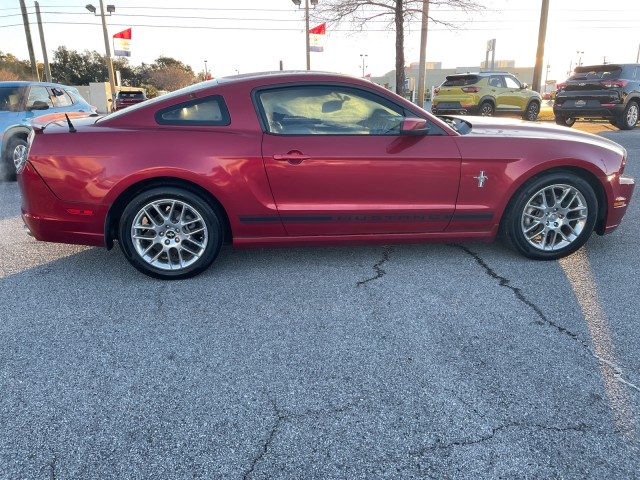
x=429 y=361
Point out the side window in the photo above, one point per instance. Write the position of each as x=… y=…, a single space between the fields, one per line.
x=37 y=97
x=61 y=98
x=496 y=82
x=328 y=110
x=511 y=82
x=202 y=111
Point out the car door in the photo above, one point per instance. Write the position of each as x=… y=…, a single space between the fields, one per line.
x=511 y=97
x=337 y=164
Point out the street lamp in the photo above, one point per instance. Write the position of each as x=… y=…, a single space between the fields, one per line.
x=306 y=22
x=206 y=72
x=110 y=10
x=363 y=56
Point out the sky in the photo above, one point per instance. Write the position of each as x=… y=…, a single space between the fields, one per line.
x=255 y=35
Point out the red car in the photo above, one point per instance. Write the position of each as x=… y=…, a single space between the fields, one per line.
x=309 y=159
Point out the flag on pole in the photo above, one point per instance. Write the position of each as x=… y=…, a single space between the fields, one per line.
x=122 y=43
x=316 y=38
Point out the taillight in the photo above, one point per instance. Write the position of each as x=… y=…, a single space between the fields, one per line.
x=613 y=83
x=470 y=89
x=560 y=86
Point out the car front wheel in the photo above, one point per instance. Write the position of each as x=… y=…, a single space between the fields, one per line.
x=629 y=117
x=565 y=121
x=170 y=233
x=486 y=109
x=532 y=111
x=551 y=216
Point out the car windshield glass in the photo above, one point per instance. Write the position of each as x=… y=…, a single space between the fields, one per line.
x=10 y=98
x=460 y=81
x=461 y=126
x=597 y=73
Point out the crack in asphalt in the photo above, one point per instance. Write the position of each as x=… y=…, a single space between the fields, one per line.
x=504 y=282
x=52 y=467
x=494 y=431
x=282 y=417
x=380 y=272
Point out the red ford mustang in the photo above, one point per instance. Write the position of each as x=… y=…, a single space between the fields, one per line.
x=305 y=159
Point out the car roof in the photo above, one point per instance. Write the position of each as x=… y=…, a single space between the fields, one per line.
x=24 y=83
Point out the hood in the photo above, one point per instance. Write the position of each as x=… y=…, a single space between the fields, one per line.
x=506 y=127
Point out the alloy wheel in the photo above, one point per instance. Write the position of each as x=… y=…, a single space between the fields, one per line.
x=169 y=234
x=554 y=217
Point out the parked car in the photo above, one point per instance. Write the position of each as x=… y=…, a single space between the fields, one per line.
x=20 y=103
x=486 y=94
x=126 y=98
x=609 y=91
x=307 y=159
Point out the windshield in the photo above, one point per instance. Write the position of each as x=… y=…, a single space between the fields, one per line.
x=10 y=98
x=598 y=73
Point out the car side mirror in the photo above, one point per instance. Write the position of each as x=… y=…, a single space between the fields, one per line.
x=38 y=105
x=414 y=127
x=524 y=86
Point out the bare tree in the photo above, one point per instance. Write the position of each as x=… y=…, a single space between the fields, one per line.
x=398 y=13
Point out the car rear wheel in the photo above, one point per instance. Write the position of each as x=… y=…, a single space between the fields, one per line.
x=629 y=117
x=170 y=233
x=551 y=216
x=565 y=121
x=532 y=111
x=16 y=153
x=486 y=109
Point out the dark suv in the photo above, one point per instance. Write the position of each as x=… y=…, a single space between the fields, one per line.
x=126 y=98
x=610 y=92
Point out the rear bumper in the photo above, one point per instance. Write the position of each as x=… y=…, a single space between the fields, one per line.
x=49 y=219
x=598 y=112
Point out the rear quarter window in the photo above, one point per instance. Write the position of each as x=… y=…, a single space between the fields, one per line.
x=203 y=111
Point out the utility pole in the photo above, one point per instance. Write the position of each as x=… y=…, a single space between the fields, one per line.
x=47 y=68
x=306 y=32
x=542 y=33
x=112 y=84
x=27 y=31
x=423 y=52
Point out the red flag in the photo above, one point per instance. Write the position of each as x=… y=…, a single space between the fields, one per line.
x=126 y=34
x=319 y=30
x=122 y=43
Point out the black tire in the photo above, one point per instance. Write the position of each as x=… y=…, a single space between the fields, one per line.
x=15 y=148
x=178 y=234
x=486 y=109
x=629 y=117
x=565 y=121
x=557 y=226
x=532 y=111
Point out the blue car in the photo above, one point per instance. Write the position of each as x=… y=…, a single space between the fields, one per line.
x=20 y=103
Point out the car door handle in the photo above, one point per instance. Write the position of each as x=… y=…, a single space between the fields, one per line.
x=294 y=157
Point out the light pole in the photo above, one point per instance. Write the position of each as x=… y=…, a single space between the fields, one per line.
x=306 y=23
x=107 y=47
x=206 y=72
x=363 y=56
x=546 y=77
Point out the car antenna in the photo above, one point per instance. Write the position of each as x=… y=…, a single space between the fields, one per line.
x=72 y=129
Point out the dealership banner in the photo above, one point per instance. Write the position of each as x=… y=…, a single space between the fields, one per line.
x=122 y=43
x=316 y=38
